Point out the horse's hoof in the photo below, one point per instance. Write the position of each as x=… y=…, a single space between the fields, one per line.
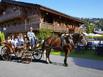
x=66 y=65
x=50 y=62
x=47 y=62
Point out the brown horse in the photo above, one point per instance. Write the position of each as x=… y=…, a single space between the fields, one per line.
x=56 y=44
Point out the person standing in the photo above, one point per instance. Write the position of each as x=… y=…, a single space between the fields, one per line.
x=32 y=38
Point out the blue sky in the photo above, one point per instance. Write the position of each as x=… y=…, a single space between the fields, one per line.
x=77 y=8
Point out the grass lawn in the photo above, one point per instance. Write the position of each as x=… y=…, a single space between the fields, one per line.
x=89 y=54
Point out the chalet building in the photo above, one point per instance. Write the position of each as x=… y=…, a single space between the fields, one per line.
x=18 y=16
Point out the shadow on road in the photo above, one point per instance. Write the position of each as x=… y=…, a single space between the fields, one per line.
x=94 y=64
x=39 y=61
x=18 y=60
x=43 y=61
x=59 y=64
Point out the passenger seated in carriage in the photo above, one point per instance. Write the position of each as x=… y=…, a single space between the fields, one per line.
x=8 y=40
x=17 y=41
x=20 y=40
x=13 y=41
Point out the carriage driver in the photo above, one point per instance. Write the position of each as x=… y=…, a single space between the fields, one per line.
x=32 y=38
x=64 y=34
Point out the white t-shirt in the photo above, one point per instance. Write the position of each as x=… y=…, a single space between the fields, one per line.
x=30 y=35
x=14 y=42
x=21 y=39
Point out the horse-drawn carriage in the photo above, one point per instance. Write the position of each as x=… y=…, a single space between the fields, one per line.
x=52 y=42
x=23 y=53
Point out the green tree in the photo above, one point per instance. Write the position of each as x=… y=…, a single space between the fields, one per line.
x=44 y=33
x=90 y=27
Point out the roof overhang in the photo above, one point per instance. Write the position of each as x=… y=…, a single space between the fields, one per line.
x=24 y=4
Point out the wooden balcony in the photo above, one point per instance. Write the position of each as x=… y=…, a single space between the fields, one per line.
x=11 y=16
x=21 y=28
x=52 y=27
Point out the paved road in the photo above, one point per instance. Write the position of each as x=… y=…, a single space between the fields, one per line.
x=77 y=68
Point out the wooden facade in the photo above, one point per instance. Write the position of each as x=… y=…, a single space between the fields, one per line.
x=19 y=16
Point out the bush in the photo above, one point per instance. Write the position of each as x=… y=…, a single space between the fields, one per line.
x=44 y=33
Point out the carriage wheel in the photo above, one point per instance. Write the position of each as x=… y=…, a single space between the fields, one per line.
x=5 y=53
x=37 y=54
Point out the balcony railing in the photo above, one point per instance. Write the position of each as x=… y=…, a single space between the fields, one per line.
x=7 y=17
x=21 y=27
x=52 y=27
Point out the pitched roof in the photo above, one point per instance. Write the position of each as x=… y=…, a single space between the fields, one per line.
x=41 y=8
